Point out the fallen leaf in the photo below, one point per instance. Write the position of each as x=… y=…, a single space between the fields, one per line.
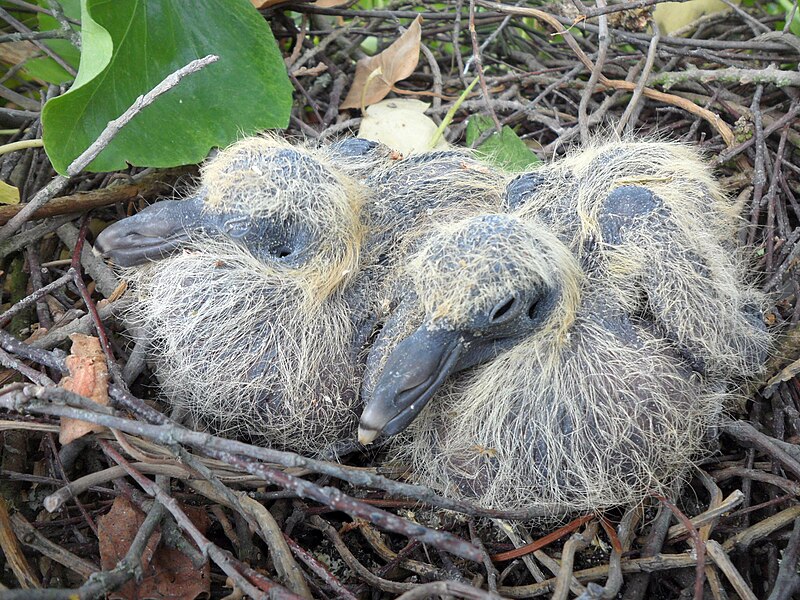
x=672 y=16
x=400 y=124
x=88 y=376
x=14 y=53
x=376 y=75
x=8 y=194
x=166 y=572
x=330 y=3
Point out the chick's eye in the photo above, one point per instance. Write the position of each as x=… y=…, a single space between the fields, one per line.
x=532 y=310
x=237 y=227
x=281 y=251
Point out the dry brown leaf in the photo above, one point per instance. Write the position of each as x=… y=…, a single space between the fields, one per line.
x=14 y=53
x=376 y=75
x=166 y=572
x=330 y=3
x=88 y=376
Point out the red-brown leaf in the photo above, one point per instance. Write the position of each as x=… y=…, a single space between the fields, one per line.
x=88 y=376
x=166 y=572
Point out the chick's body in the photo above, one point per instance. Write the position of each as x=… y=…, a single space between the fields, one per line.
x=613 y=395
x=260 y=319
x=563 y=339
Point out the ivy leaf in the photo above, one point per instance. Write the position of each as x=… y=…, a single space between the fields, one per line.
x=129 y=46
x=504 y=149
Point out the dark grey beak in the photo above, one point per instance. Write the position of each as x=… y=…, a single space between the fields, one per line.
x=414 y=371
x=152 y=234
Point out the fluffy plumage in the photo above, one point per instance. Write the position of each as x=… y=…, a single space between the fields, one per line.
x=563 y=339
x=612 y=396
x=267 y=284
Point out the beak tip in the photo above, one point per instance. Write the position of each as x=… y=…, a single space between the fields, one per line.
x=367 y=436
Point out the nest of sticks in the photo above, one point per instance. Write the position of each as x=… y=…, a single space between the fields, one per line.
x=275 y=523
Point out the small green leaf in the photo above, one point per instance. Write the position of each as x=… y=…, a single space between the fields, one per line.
x=129 y=46
x=506 y=149
x=45 y=68
x=8 y=194
x=788 y=6
x=370 y=45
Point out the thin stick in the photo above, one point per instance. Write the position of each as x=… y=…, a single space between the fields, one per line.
x=476 y=55
x=597 y=73
x=59 y=182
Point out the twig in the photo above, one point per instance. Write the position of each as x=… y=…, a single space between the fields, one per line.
x=288 y=571
x=10 y=362
x=16 y=399
x=699 y=547
x=636 y=586
x=476 y=56
x=625 y=535
x=605 y=10
x=40 y=293
x=577 y=542
x=15 y=559
x=142 y=102
x=59 y=182
x=732 y=501
x=223 y=559
x=652 y=50
x=769 y=74
x=544 y=541
x=319 y=569
x=447 y=589
x=596 y=73
x=742 y=540
x=19 y=26
x=788 y=581
x=147 y=187
x=356 y=477
x=777 y=124
x=750 y=436
x=348 y=557
x=31 y=537
x=718 y=555
x=713 y=119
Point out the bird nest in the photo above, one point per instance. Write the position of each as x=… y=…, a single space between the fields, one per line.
x=273 y=522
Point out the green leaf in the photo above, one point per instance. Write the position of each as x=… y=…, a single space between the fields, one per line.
x=45 y=68
x=129 y=46
x=48 y=70
x=794 y=26
x=506 y=149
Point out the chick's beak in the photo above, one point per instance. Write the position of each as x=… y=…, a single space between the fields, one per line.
x=152 y=234
x=414 y=371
